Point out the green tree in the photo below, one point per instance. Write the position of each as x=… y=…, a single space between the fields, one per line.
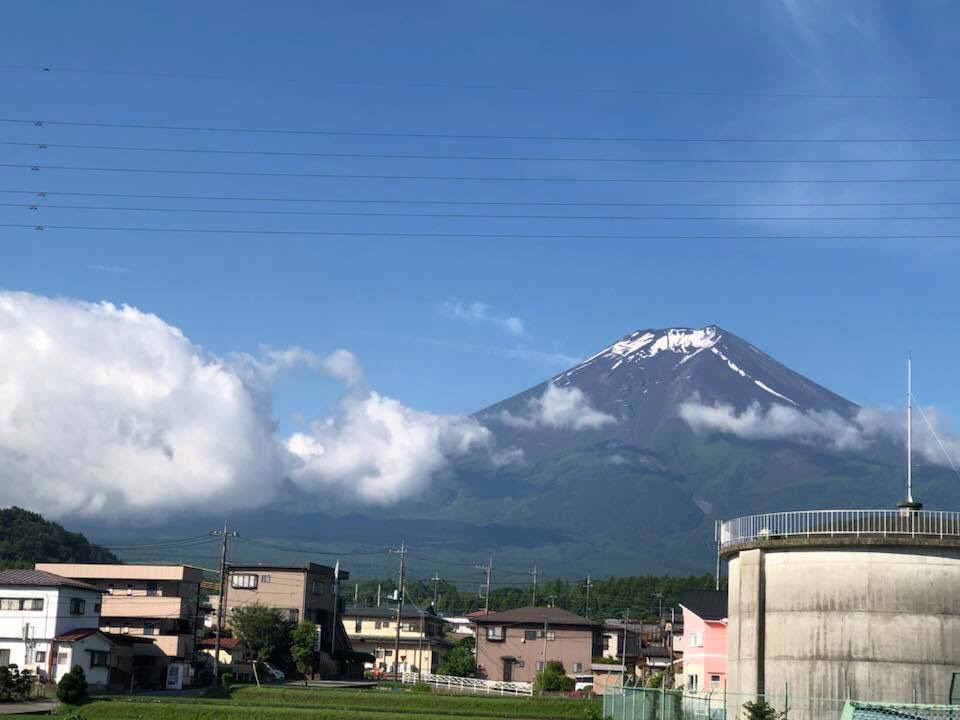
x=553 y=678
x=303 y=643
x=761 y=710
x=72 y=688
x=459 y=661
x=262 y=630
x=26 y=538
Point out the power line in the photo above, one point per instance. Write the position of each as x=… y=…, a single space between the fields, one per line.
x=496 y=203
x=419 y=84
x=510 y=236
x=471 y=216
x=498 y=158
x=471 y=178
x=460 y=136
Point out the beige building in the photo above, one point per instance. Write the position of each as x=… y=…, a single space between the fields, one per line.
x=514 y=645
x=302 y=592
x=155 y=602
x=373 y=630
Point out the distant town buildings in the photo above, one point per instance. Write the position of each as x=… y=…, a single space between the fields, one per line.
x=515 y=645
x=373 y=630
x=156 y=603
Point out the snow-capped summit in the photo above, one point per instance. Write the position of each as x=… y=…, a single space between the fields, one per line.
x=643 y=378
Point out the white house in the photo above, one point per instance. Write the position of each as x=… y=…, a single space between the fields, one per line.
x=50 y=623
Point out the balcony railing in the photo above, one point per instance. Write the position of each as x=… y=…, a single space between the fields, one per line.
x=836 y=523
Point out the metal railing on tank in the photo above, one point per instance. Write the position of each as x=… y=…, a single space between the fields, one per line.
x=834 y=523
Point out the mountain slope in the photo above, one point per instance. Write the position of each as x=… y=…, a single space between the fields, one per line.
x=26 y=538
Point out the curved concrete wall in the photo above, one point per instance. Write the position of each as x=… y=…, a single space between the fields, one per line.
x=877 y=623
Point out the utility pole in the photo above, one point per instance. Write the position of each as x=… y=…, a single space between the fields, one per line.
x=402 y=552
x=336 y=607
x=356 y=593
x=225 y=533
x=536 y=574
x=546 y=627
x=716 y=533
x=488 y=571
x=659 y=597
x=588 y=585
x=436 y=590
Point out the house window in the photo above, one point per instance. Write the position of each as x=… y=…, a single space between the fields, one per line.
x=62 y=659
x=530 y=634
x=606 y=642
x=578 y=667
x=319 y=587
x=244 y=582
x=551 y=635
x=692 y=682
x=539 y=665
x=264 y=578
x=78 y=606
x=40 y=656
x=388 y=653
x=714 y=681
x=99 y=659
x=4 y=658
x=21 y=603
x=152 y=589
x=293 y=615
x=381 y=624
x=496 y=633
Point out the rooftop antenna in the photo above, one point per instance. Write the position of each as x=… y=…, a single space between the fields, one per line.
x=909 y=503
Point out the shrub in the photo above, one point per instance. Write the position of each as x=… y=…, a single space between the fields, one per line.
x=421 y=687
x=15 y=684
x=72 y=688
x=226 y=681
x=554 y=678
x=761 y=710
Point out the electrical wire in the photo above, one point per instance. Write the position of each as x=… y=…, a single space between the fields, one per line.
x=495 y=203
x=473 y=178
x=460 y=136
x=471 y=216
x=504 y=236
x=419 y=84
x=497 y=158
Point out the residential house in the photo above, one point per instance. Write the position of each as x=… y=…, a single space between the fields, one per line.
x=156 y=602
x=621 y=641
x=460 y=625
x=514 y=645
x=234 y=657
x=705 y=649
x=303 y=592
x=50 y=623
x=373 y=630
x=655 y=659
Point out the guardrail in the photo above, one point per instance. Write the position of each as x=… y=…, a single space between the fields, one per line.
x=820 y=523
x=474 y=685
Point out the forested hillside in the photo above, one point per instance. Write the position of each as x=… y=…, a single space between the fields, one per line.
x=26 y=538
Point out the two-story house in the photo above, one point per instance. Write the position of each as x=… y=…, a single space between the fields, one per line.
x=303 y=592
x=705 y=646
x=373 y=630
x=515 y=645
x=50 y=623
x=156 y=602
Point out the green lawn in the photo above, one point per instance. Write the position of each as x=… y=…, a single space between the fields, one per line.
x=251 y=703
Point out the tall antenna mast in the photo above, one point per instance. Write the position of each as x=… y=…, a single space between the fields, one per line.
x=910 y=503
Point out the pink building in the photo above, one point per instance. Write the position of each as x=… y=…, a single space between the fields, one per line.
x=705 y=640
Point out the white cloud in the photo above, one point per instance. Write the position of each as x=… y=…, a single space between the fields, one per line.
x=559 y=408
x=508 y=456
x=825 y=428
x=108 y=410
x=480 y=313
x=378 y=450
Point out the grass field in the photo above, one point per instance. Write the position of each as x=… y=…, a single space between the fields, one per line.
x=250 y=703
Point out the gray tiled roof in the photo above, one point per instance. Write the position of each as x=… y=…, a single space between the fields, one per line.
x=39 y=578
x=538 y=615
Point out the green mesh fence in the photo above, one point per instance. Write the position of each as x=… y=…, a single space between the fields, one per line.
x=857 y=710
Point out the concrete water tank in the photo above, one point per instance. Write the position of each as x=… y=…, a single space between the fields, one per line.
x=829 y=605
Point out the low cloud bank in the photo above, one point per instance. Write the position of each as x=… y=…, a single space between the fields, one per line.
x=559 y=408
x=108 y=410
x=826 y=428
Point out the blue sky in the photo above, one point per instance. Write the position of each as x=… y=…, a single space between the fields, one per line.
x=842 y=311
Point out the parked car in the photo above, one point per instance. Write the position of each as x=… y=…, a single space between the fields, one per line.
x=272 y=673
x=583 y=681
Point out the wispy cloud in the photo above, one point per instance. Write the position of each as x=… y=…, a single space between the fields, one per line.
x=116 y=269
x=481 y=313
x=551 y=361
x=558 y=408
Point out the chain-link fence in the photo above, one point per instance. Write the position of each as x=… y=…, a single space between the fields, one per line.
x=635 y=703
x=857 y=710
